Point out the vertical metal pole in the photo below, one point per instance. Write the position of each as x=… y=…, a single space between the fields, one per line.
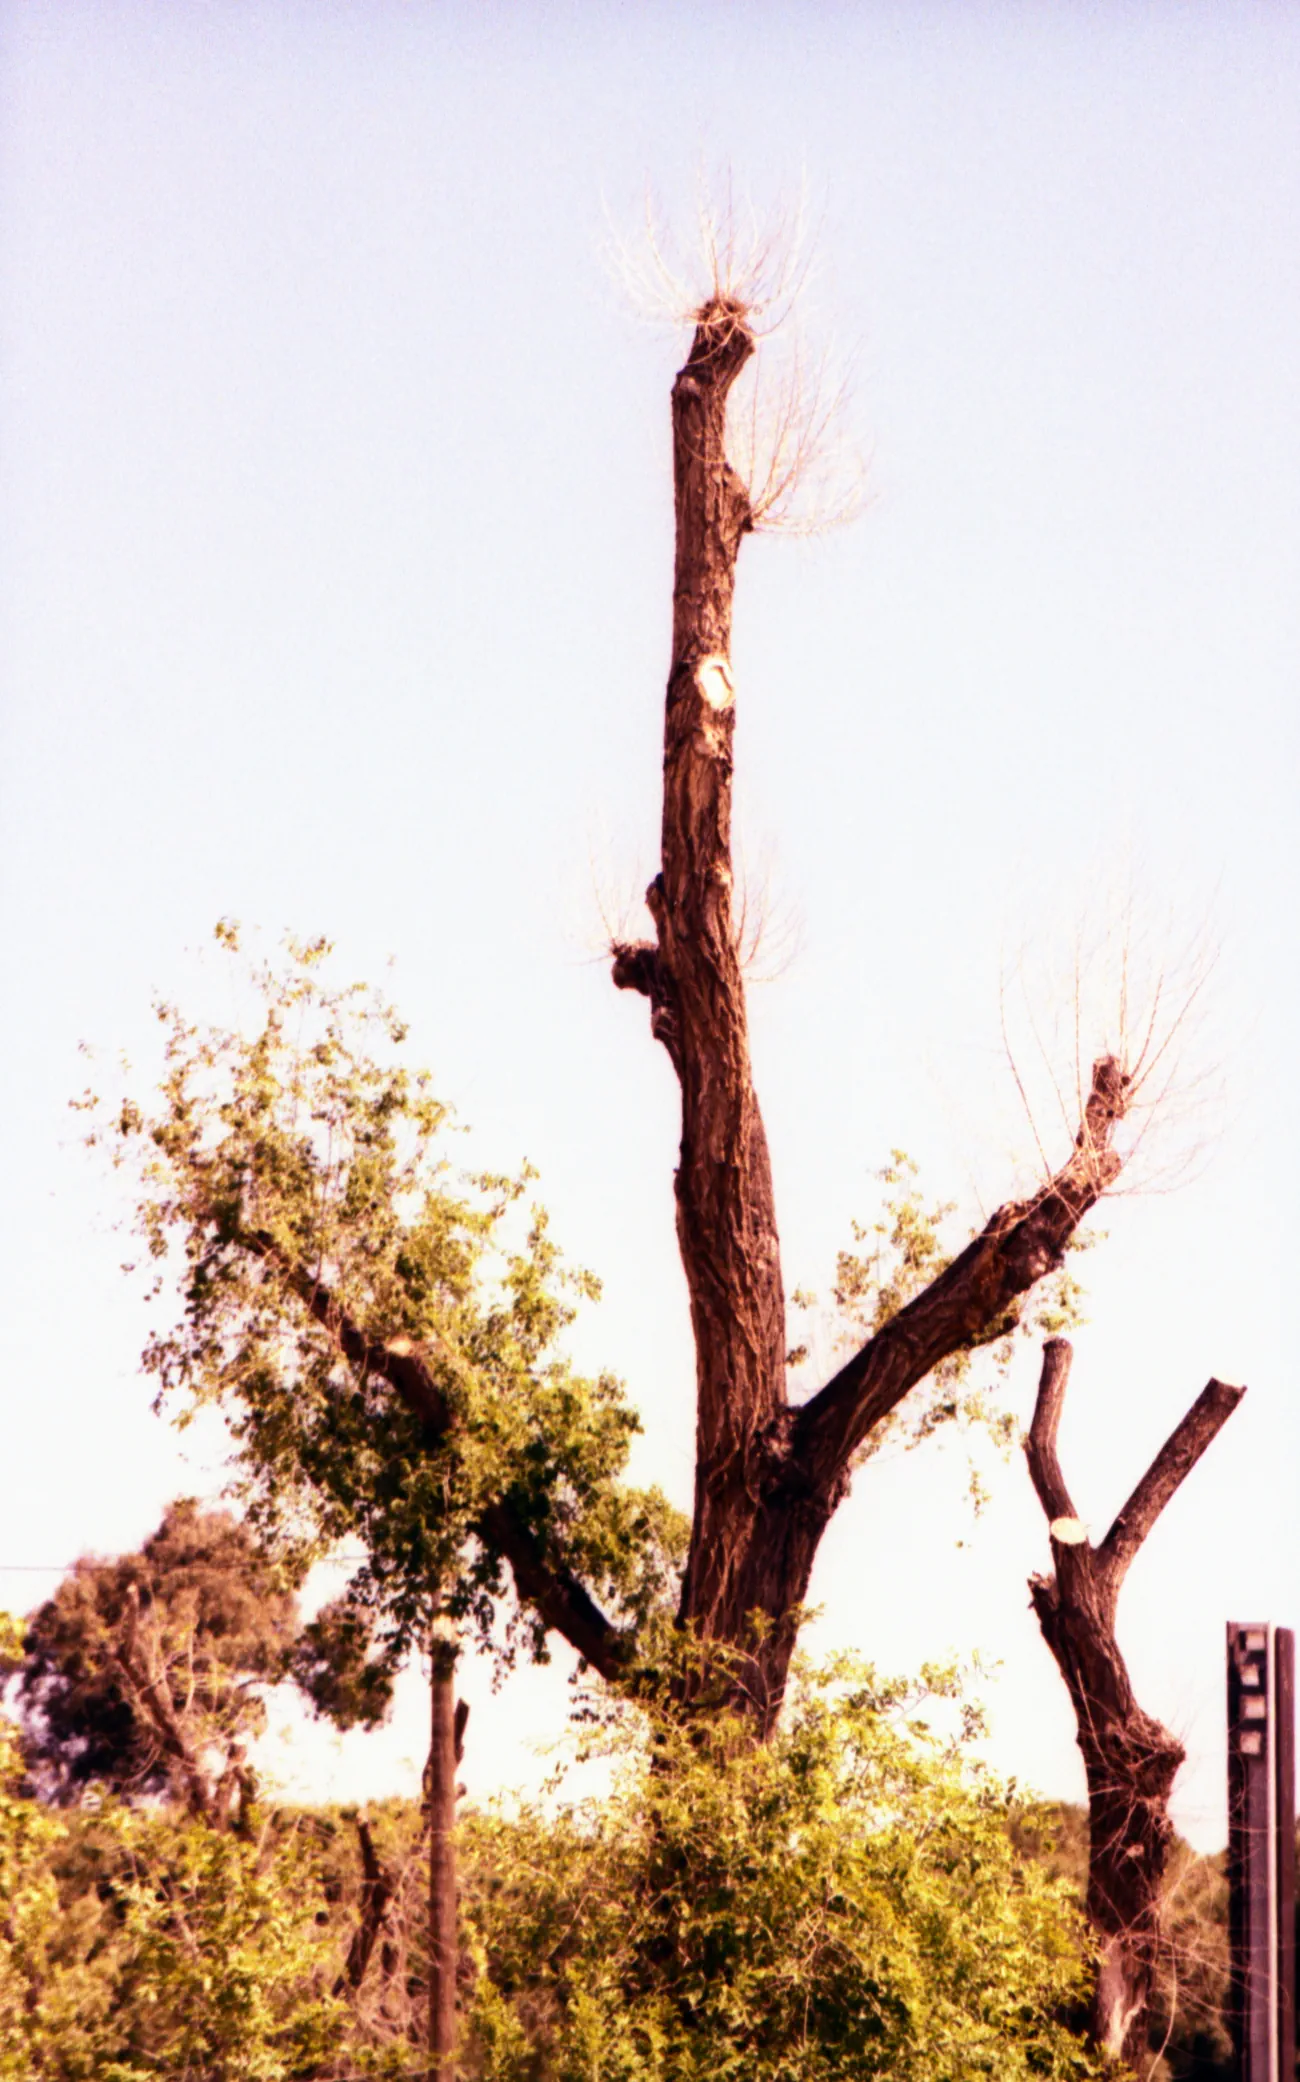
x=1261 y=1849
x=1284 y=1810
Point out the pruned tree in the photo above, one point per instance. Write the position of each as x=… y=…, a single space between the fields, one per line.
x=769 y=1475
x=337 y=1284
x=1130 y=1760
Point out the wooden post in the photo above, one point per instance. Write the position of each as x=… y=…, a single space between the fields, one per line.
x=1261 y=1849
x=443 y=1648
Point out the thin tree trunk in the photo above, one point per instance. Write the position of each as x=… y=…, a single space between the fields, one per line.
x=378 y=1886
x=443 y=1947
x=1131 y=1761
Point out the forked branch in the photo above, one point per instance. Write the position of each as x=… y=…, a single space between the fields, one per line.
x=1190 y=1438
x=1130 y=1759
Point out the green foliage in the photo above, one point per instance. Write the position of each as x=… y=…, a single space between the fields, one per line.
x=335 y=1666
x=1188 y=2038
x=213 y=1618
x=143 y=1947
x=29 y=1916
x=303 y=1159
x=894 y=1258
x=844 y=1901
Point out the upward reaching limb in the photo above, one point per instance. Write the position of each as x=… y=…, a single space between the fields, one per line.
x=975 y=1298
x=1130 y=1760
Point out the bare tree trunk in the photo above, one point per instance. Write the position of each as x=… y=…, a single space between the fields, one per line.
x=1131 y=1761
x=443 y=1946
x=767 y=1478
x=378 y=1885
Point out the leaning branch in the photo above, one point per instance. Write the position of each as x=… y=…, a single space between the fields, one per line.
x=1166 y=1474
x=972 y=1301
x=1040 y=1447
x=553 y=1590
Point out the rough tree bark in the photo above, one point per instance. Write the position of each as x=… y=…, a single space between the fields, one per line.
x=768 y=1477
x=1130 y=1760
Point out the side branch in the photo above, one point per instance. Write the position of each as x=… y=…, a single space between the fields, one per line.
x=562 y=1600
x=974 y=1300
x=1166 y=1474
x=1040 y=1447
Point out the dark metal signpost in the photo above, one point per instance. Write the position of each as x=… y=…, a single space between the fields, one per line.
x=1261 y=1849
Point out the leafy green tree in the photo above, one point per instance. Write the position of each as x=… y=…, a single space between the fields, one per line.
x=383 y=1335
x=29 y=1915
x=136 y=1946
x=382 y=1329
x=145 y=1673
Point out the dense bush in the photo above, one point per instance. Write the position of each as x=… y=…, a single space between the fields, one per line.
x=846 y=1901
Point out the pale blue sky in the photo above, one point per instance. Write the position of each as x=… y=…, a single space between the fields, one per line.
x=338 y=549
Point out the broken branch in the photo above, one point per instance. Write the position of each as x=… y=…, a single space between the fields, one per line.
x=1166 y=1474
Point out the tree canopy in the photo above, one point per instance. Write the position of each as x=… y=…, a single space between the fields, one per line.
x=145 y=1672
x=381 y=1328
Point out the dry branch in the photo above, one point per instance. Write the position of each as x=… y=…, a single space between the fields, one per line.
x=1131 y=1761
x=378 y=1886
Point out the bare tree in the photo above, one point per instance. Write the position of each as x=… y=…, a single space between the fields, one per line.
x=1131 y=1761
x=768 y=1475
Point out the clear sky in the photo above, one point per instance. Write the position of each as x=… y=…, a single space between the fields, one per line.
x=336 y=596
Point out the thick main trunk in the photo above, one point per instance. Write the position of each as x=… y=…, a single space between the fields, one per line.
x=767 y=1478
x=442 y=1862
x=726 y=1215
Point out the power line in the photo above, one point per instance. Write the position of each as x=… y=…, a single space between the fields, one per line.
x=36 y=1568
